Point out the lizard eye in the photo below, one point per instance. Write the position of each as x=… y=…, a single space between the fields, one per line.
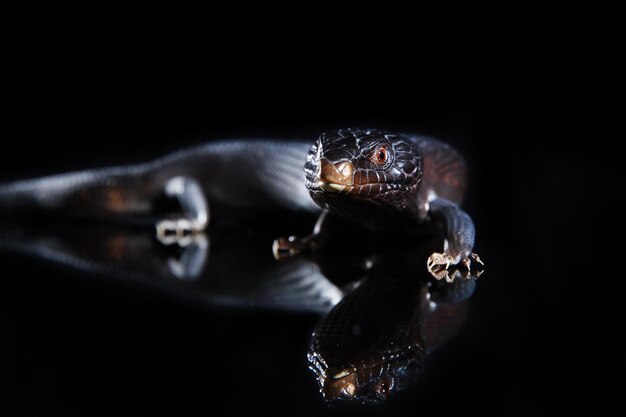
x=380 y=155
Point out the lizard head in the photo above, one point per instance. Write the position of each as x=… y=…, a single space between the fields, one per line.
x=363 y=173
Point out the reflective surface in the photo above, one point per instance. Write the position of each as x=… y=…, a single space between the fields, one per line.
x=380 y=312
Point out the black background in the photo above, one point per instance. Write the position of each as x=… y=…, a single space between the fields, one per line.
x=538 y=341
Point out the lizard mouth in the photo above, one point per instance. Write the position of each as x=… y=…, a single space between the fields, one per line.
x=332 y=187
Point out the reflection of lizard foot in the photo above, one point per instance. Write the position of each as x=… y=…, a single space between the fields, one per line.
x=178 y=231
x=447 y=266
x=189 y=263
x=286 y=248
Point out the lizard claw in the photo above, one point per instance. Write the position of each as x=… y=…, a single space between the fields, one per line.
x=449 y=274
x=476 y=258
x=438 y=260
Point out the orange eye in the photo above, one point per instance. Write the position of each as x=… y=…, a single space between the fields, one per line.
x=380 y=156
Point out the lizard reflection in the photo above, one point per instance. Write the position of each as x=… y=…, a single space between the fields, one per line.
x=374 y=341
x=382 y=313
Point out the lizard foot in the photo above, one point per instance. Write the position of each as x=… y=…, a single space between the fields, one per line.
x=187 y=263
x=447 y=266
x=182 y=228
x=286 y=248
x=178 y=231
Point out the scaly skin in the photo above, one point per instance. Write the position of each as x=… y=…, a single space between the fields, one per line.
x=389 y=181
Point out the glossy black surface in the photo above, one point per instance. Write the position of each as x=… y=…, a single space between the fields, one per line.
x=540 y=317
x=376 y=305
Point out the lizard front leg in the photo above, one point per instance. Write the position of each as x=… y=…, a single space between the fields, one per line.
x=285 y=248
x=459 y=242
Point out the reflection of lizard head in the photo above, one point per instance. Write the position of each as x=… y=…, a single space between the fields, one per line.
x=373 y=343
x=372 y=379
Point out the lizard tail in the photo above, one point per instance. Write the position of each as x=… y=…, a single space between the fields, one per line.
x=91 y=192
